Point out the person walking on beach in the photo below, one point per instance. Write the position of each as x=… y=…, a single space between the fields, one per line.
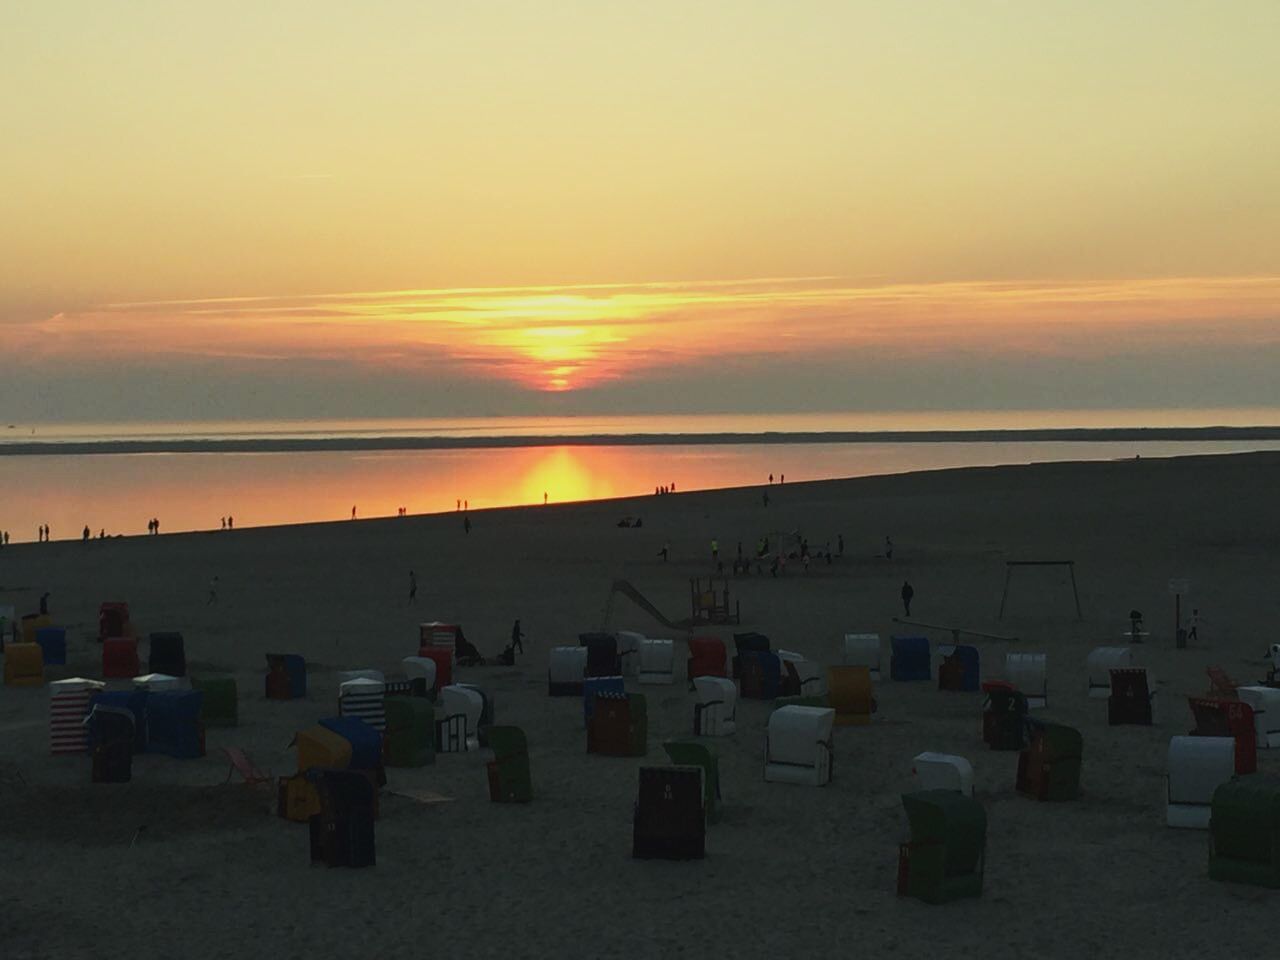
x=544 y=498
x=666 y=547
x=86 y=534
x=907 y=593
x=1194 y=633
x=213 y=591
x=466 y=523
x=413 y=586
x=517 y=638
x=771 y=478
x=224 y=523
x=353 y=511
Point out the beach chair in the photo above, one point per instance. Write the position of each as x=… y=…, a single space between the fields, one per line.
x=135 y=702
x=707 y=658
x=602 y=654
x=960 y=669
x=458 y=731
x=760 y=674
x=863 y=650
x=619 y=725
x=566 y=671
x=690 y=753
x=1228 y=718
x=221 y=700
x=286 y=676
x=1133 y=697
x=1100 y=662
x=443 y=659
x=909 y=659
x=68 y=707
x=31 y=625
x=365 y=699
x=1028 y=672
x=849 y=693
x=23 y=665
x=111 y=741
x=1265 y=702
x=173 y=723
x=486 y=708
x=160 y=683
x=1243 y=827
x=1197 y=766
x=798 y=746
x=746 y=643
x=168 y=654
x=669 y=821
x=942 y=771
x=715 y=713
x=1049 y=765
x=1221 y=686
x=945 y=858
x=657 y=661
x=509 y=777
x=629 y=642
x=421 y=673
x=410 y=732
x=342 y=832
x=344 y=676
x=53 y=646
x=113 y=620
x=1004 y=716
x=804 y=677
x=594 y=685
x=240 y=763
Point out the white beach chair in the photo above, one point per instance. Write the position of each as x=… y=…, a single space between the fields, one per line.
x=365 y=700
x=714 y=715
x=1197 y=766
x=68 y=707
x=462 y=707
x=798 y=745
x=1099 y=662
x=1266 y=713
x=347 y=675
x=1028 y=674
x=160 y=682
x=629 y=650
x=863 y=650
x=566 y=670
x=942 y=771
x=813 y=676
x=420 y=667
x=657 y=661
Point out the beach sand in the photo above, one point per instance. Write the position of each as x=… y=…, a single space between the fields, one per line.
x=790 y=870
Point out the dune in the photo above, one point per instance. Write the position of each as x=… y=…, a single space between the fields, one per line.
x=790 y=870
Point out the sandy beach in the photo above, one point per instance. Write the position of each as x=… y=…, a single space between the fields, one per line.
x=790 y=871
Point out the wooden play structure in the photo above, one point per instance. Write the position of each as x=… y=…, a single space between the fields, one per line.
x=710 y=603
x=1011 y=565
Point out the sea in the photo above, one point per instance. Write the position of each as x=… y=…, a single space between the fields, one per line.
x=115 y=477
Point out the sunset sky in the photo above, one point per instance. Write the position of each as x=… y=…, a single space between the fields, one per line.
x=419 y=209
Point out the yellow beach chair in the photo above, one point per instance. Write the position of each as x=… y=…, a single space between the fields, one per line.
x=849 y=692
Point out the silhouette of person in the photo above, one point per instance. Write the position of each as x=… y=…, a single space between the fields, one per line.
x=231 y=523
x=466 y=523
x=663 y=552
x=1193 y=633
x=413 y=586
x=517 y=637
x=353 y=511
x=907 y=593
x=771 y=478
x=86 y=533
x=224 y=523
x=888 y=549
x=544 y=498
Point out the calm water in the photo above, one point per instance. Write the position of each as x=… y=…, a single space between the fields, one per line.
x=192 y=491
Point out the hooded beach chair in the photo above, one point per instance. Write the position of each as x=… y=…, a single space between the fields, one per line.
x=760 y=675
x=1228 y=718
x=944 y=859
x=669 y=821
x=173 y=723
x=509 y=777
x=134 y=701
x=909 y=659
x=960 y=669
x=486 y=708
x=53 y=645
x=566 y=671
x=365 y=674
x=410 y=732
x=68 y=707
x=365 y=699
x=629 y=642
x=168 y=654
x=798 y=746
x=602 y=654
x=1049 y=765
x=221 y=700
x=594 y=685
x=1028 y=672
x=849 y=693
x=1243 y=830
x=707 y=658
x=805 y=678
x=715 y=712
x=341 y=831
x=160 y=683
x=286 y=676
x=1100 y=662
x=458 y=729
x=113 y=620
x=863 y=650
x=690 y=753
x=619 y=725
x=746 y=643
x=1133 y=697
x=23 y=665
x=1004 y=716
x=1265 y=702
x=443 y=658
x=942 y=771
x=657 y=661
x=111 y=740
x=1197 y=766
x=421 y=672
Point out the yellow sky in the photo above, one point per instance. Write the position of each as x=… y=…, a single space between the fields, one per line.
x=158 y=151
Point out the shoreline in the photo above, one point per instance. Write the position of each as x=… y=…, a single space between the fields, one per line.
x=353 y=444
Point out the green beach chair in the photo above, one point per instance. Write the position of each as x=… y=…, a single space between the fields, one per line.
x=411 y=731
x=945 y=858
x=691 y=753
x=1049 y=766
x=1244 y=832
x=509 y=777
x=220 y=706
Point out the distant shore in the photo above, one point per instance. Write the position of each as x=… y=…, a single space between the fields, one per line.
x=301 y=444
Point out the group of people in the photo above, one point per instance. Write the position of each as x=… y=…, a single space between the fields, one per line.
x=43 y=533
x=659 y=491
x=228 y=523
x=153 y=526
x=86 y=534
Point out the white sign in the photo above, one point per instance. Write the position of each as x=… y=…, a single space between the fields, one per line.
x=1177 y=587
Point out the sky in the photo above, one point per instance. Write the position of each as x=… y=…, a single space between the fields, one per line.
x=417 y=209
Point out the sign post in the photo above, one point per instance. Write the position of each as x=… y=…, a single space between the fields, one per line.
x=1178 y=586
